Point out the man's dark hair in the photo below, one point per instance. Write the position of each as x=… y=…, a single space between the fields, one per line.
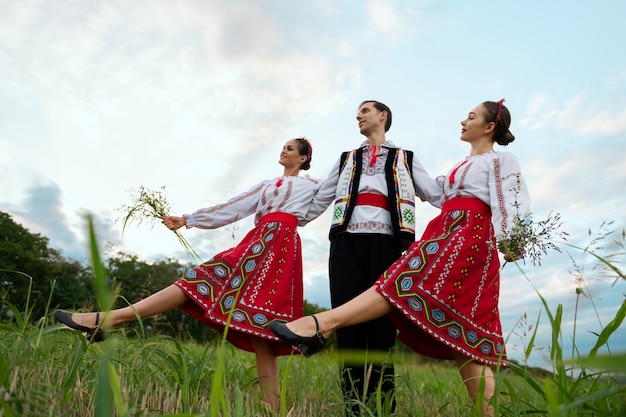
x=380 y=107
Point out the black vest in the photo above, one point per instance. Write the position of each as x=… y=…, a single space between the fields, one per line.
x=409 y=238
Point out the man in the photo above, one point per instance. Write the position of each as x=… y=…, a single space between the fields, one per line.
x=374 y=189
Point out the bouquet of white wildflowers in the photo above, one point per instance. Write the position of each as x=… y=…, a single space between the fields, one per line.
x=150 y=206
x=532 y=239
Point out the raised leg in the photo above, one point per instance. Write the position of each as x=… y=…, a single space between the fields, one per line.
x=167 y=299
x=365 y=307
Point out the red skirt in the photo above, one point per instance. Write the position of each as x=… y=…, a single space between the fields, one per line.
x=446 y=287
x=258 y=280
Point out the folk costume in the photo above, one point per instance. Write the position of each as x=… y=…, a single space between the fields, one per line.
x=260 y=279
x=374 y=190
x=445 y=289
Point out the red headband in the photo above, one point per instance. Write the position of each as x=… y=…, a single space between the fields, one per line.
x=499 y=112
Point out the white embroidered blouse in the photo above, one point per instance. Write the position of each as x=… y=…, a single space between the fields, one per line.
x=291 y=194
x=370 y=219
x=496 y=179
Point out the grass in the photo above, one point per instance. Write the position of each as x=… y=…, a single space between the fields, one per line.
x=54 y=372
x=46 y=370
x=159 y=376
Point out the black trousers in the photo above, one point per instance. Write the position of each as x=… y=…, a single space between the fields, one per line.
x=356 y=261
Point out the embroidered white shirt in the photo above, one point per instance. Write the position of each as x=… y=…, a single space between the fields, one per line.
x=370 y=219
x=496 y=179
x=293 y=196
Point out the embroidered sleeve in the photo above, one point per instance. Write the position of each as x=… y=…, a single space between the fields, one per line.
x=325 y=194
x=234 y=209
x=426 y=188
x=508 y=193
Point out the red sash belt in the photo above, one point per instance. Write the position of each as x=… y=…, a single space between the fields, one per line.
x=465 y=203
x=279 y=216
x=371 y=199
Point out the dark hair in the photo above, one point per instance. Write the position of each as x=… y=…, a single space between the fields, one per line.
x=501 y=134
x=380 y=107
x=305 y=148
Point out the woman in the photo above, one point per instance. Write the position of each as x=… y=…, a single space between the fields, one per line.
x=257 y=281
x=442 y=295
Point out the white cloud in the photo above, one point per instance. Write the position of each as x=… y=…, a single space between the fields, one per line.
x=384 y=15
x=581 y=115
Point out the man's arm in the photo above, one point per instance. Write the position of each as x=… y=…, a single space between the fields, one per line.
x=325 y=195
x=426 y=187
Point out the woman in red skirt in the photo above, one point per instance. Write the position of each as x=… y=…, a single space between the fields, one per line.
x=247 y=286
x=442 y=295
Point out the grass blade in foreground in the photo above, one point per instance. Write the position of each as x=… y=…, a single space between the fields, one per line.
x=108 y=388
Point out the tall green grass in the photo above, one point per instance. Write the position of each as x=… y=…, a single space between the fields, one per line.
x=47 y=370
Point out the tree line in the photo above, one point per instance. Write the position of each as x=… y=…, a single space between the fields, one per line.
x=35 y=279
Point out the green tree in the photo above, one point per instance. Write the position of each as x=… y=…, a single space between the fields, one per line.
x=135 y=279
x=73 y=284
x=24 y=254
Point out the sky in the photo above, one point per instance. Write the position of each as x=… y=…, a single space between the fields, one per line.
x=99 y=98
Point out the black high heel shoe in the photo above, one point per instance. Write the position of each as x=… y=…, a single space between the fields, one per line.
x=93 y=335
x=309 y=346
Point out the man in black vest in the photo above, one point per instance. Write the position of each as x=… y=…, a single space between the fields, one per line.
x=374 y=189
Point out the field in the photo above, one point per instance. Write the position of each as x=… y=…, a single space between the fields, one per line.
x=48 y=370
x=51 y=371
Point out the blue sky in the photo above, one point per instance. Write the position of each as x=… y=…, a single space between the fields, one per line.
x=99 y=98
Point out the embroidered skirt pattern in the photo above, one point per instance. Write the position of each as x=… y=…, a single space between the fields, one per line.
x=446 y=287
x=257 y=281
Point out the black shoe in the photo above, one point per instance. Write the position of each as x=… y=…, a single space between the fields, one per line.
x=93 y=335
x=309 y=346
